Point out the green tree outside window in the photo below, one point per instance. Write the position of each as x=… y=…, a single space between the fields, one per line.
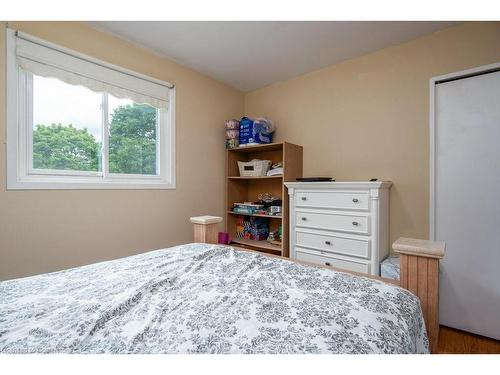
x=132 y=144
x=132 y=140
x=64 y=148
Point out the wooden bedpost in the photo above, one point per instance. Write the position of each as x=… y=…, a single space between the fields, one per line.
x=205 y=228
x=419 y=261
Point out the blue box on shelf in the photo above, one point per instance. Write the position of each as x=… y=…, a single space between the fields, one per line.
x=253 y=132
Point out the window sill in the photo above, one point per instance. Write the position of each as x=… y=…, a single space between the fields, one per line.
x=83 y=183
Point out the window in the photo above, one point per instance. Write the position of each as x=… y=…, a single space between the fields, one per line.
x=74 y=122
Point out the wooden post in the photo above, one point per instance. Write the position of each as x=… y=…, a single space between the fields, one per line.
x=420 y=275
x=205 y=228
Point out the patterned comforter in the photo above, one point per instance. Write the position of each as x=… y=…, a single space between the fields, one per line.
x=201 y=298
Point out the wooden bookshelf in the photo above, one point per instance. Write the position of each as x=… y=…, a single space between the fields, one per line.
x=244 y=189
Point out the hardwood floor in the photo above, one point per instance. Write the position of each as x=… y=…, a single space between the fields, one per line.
x=453 y=341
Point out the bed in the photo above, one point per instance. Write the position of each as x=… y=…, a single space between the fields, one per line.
x=204 y=298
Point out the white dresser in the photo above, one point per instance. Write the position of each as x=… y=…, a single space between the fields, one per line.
x=340 y=224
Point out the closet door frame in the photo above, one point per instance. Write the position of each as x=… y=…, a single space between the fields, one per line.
x=484 y=69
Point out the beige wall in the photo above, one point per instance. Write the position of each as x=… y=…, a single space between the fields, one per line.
x=42 y=231
x=368 y=117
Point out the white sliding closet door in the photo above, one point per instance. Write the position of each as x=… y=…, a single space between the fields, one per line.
x=467 y=201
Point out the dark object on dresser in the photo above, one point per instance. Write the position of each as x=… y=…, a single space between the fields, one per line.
x=315 y=179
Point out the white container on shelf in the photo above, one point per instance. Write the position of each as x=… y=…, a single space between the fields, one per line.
x=254 y=168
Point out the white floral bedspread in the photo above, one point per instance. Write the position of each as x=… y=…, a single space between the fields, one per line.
x=201 y=298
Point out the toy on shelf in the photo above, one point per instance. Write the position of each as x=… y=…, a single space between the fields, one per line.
x=248 y=208
x=252 y=228
x=240 y=228
x=275 y=237
x=232 y=133
x=272 y=205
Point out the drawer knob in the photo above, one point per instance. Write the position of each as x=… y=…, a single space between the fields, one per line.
x=355 y=200
x=328 y=264
x=304 y=198
x=355 y=223
x=328 y=242
x=304 y=218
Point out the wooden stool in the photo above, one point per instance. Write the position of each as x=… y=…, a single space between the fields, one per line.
x=205 y=228
x=419 y=262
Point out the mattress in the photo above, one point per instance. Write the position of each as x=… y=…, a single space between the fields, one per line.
x=390 y=268
x=201 y=298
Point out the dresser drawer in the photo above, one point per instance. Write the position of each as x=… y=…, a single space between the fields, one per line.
x=332 y=221
x=333 y=199
x=311 y=256
x=334 y=244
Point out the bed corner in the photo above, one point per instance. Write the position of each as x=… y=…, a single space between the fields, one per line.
x=419 y=261
x=205 y=228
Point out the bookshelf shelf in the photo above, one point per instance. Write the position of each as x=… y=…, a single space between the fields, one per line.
x=256 y=215
x=253 y=178
x=257 y=244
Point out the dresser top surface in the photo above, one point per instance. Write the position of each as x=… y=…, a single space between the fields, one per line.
x=340 y=185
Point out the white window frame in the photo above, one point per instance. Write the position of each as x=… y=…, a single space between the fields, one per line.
x=20 y=172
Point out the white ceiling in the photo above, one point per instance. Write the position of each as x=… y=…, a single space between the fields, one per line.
x=250 y=55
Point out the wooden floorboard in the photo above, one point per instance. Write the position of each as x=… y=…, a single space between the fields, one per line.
x=453 y=341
